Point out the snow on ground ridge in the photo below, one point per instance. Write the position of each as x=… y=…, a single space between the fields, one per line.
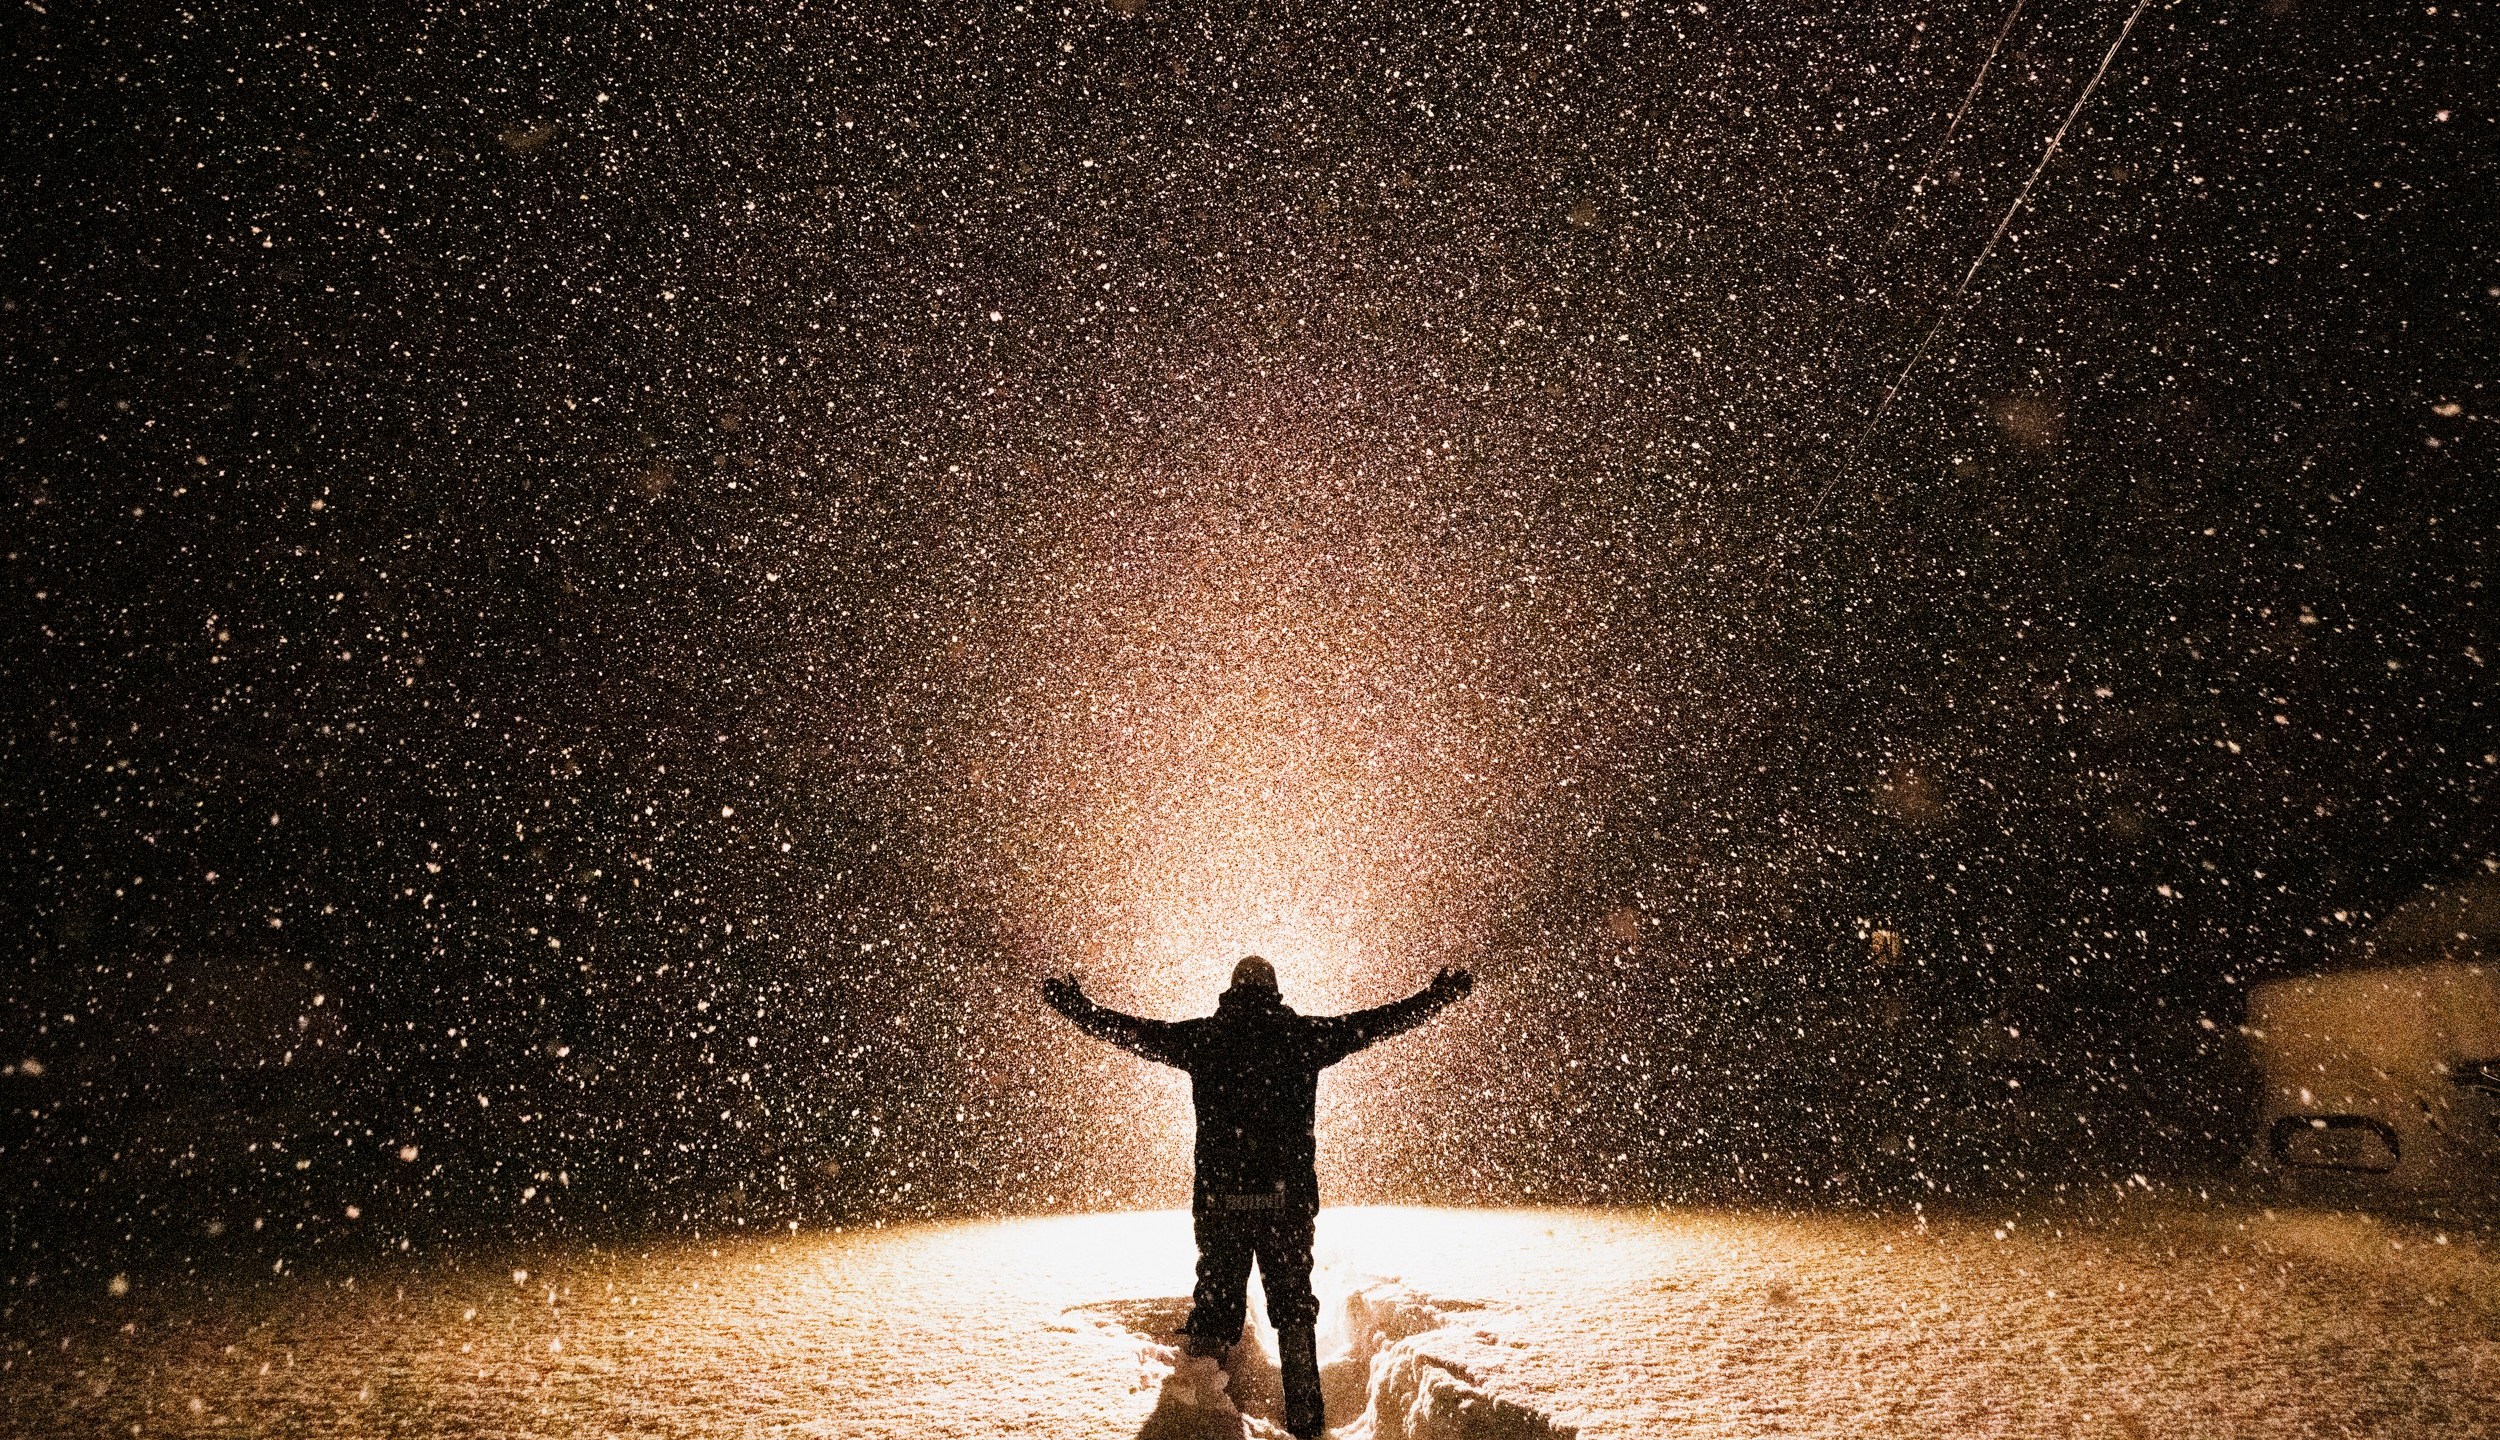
x=1398 y=1362
x=1425 y=1381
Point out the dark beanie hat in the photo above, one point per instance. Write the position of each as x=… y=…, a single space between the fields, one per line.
x=1254 y=973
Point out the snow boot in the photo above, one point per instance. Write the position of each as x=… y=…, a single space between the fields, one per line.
x=1297 y=1354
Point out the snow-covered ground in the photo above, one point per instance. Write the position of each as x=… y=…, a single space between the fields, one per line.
x=1443 y=1323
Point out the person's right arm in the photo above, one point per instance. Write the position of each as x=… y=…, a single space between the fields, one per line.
x=1157 y=1040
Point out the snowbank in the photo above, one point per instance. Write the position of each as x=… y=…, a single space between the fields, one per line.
x=2140 y=1318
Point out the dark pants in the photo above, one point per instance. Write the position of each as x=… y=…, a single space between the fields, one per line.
x=1228 y=1240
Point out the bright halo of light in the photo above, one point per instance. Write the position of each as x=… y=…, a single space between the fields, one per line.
x=1308 y=726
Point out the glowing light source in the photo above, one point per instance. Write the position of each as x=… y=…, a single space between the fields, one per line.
x=1300 y=719
x=1238 y=733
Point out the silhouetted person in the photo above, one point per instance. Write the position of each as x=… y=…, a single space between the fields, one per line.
x=1254 y=1079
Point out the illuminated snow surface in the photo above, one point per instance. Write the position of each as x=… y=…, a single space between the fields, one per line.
x=1445 y=1323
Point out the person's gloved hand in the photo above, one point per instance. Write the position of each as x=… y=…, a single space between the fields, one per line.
x=1453 y=982
x=1063 y=992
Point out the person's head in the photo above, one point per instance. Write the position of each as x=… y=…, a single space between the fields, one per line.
x=1254 y=974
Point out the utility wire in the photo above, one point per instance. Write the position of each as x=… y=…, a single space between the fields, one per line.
x=1954 y=126
x=1953 y=301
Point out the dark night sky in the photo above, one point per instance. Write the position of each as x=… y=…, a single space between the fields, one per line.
x=595 y=594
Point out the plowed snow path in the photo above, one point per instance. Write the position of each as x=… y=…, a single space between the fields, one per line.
x=1687 y=1324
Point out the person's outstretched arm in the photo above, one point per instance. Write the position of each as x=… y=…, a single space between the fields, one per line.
x=1342 y=1035
x=1157 y=1040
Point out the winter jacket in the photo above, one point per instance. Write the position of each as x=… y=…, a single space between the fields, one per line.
x=1254 y=1080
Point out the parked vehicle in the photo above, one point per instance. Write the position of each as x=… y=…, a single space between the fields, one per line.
x=2381 y=1079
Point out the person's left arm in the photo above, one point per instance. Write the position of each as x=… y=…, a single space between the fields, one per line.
x=1342 y=1035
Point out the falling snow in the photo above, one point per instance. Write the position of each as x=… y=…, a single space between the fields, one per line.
x=596 y=599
